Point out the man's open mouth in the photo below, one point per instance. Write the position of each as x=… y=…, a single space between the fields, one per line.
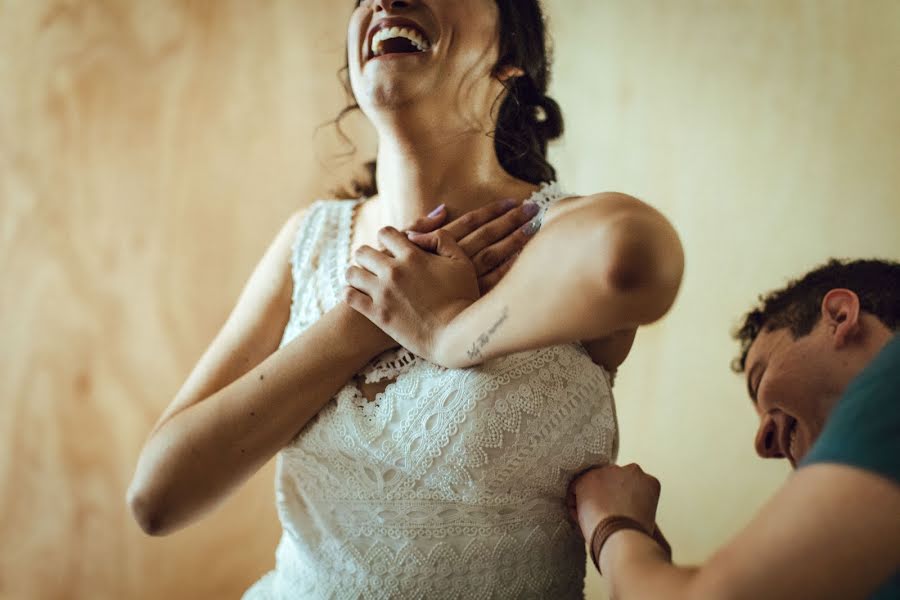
x=789 y=441
x=396 y=36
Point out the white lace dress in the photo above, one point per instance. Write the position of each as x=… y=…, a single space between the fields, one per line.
x=452 y=483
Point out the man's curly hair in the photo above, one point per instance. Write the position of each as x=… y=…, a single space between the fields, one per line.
x=798 y=305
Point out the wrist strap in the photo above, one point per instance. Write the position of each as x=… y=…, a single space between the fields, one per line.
x=660 y=539
x=610 y=525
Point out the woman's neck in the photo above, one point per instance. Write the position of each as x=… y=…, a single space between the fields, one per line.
x=421 y=170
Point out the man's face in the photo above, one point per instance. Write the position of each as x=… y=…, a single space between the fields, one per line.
x=794 y=384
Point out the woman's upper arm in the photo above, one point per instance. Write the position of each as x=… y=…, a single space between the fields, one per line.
x=647 y=250
x=254 y=328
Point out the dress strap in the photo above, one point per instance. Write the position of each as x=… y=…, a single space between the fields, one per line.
x=547 y=196
x=305 y=240
x=319 y=256
x=337 y=255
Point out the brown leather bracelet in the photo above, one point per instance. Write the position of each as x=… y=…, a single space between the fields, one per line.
x=610 y=525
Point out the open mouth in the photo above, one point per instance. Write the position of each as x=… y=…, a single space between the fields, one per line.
x=396 y=36
x=791 y=446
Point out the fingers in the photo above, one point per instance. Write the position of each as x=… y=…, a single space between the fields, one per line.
x=497 y=254
x=496 y=230
x=372 y=260
x=510 y=223
x=636 y=471
x=396 y=243
x=471 y=221
x=359 y=302
x=489 y=280
x=362 y=280
x=441 y=243
x=431 y=222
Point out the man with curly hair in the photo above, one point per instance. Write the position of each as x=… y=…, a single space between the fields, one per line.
x=822 y=364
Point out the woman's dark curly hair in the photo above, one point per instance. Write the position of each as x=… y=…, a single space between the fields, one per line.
x=528 y=119
x=798 y=306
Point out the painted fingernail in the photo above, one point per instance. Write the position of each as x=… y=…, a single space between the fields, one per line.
x=437 y=211
x=531 y=227
x=531 y=209
x=509 y=203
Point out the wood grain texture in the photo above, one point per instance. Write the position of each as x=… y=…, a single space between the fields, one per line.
x=149 y=150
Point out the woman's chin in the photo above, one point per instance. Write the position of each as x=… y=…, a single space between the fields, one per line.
x=390 y=91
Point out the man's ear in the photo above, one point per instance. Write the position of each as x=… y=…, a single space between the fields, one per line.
x=840 y=314
x=507 y=72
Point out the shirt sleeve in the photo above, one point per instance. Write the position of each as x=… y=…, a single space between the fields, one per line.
x=863 y=431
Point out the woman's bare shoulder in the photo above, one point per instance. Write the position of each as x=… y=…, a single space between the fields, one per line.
x=602 y=203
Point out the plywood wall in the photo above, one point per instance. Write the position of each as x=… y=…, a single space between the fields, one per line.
x=149 y=152
x=149 y=149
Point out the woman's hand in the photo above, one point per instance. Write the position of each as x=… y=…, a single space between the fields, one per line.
x=491 y=237
x=614 y=491
x=413 y=290
x=411 y=294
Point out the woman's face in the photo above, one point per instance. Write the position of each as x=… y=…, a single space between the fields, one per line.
x=440 y=52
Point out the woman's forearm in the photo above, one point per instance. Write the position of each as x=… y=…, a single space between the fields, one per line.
x=586 y=275
x=199 y=455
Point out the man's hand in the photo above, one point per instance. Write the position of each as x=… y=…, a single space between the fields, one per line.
x=614 y=491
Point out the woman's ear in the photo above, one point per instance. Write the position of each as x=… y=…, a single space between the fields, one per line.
x=507 y=72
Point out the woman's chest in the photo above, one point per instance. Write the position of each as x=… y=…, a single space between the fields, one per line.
x=524 y=422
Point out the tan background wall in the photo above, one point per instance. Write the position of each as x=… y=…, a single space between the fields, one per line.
x=149 y=150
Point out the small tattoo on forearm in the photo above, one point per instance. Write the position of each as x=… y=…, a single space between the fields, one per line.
x=478 y=345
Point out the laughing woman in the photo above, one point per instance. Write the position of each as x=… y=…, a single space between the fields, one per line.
x=428 y=399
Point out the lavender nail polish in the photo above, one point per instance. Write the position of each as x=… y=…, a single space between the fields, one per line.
x=531 y=228
x=436 y=211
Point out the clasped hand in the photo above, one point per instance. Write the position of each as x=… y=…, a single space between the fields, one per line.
x=416 y=286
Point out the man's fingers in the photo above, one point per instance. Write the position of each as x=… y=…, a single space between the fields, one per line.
x=508 y=224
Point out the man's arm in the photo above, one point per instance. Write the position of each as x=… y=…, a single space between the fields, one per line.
x=831 y=532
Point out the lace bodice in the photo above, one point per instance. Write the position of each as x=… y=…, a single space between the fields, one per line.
x=452 y=483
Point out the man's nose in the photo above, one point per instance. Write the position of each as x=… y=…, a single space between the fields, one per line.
x=767 y=444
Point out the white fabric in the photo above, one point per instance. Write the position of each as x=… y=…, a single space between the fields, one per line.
x=452 y=483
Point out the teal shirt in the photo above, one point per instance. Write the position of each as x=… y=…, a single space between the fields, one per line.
x=863 y=430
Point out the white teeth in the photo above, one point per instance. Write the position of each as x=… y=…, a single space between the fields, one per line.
x=793 y=438
x=389 y=33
